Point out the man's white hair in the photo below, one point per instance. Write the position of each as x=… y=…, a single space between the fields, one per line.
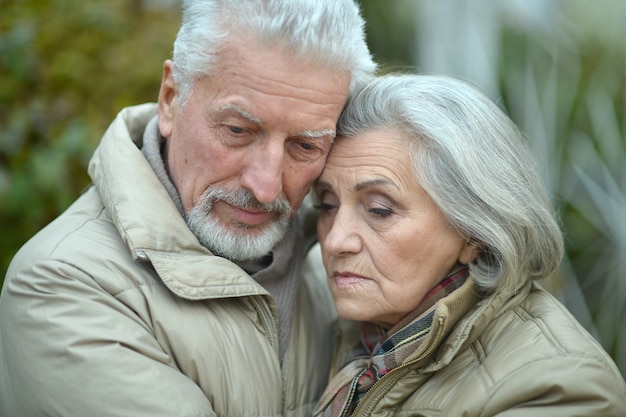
x=326 y=32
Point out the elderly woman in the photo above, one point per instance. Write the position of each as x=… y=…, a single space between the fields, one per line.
x=434 y=226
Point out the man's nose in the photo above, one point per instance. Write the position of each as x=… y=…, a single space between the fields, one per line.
x=264 y=174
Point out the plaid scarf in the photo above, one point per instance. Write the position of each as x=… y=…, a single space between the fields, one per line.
x=380 y=351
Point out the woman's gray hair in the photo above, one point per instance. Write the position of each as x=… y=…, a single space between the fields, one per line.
x=328 y=32
x=475 y=164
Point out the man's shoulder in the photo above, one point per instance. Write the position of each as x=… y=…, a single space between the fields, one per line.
x=82 y=239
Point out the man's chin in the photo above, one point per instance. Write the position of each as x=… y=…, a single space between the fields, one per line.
x=241 y=243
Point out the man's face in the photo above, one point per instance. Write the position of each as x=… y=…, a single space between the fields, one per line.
x=249 y=142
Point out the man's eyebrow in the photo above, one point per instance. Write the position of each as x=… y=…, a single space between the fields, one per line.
x=235 y=108
x=254 y=119
x=318 y=133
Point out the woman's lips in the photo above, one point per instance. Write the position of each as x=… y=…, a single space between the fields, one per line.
x=346 y=279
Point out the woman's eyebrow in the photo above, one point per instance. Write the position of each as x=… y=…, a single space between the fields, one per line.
x=358 y=187
x=322 y=183
x=372 y=183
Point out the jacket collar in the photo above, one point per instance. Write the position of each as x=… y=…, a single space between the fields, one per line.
x=467 y=312
x=459 y=319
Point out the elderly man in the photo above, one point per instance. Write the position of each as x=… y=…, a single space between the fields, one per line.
x=179 y=284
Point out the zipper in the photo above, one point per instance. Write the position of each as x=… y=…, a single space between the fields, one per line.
x=383 y=385
x=268 y=321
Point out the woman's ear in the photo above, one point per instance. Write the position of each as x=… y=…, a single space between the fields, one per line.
x=470 y=252
x=168 y=98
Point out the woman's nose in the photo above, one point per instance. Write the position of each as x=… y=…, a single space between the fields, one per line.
x=342 y=236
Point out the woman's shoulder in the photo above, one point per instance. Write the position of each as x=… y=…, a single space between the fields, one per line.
x=540 y=343
x=533 y=355
x=540 y=327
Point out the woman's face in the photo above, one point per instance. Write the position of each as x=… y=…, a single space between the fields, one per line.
x=385 y=243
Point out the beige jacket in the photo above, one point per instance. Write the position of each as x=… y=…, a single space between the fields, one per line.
x=115 y=309
x=517 y=354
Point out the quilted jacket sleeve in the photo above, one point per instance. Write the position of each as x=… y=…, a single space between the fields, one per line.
x=568 y=386
x=70 y=348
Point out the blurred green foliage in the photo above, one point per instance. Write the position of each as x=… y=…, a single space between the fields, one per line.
x=566 y=89
x=67 y=68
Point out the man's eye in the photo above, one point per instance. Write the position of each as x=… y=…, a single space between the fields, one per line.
x=305 y=151
x=307 y=147
x=236 y=129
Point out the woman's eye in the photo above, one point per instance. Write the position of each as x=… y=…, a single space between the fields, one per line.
x=381 y=212
x=323 y=207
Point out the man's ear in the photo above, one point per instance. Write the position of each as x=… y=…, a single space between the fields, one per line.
x=168 y=100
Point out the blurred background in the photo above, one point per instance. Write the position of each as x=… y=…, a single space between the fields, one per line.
x=557 y=67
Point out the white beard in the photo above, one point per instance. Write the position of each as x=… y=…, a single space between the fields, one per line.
x=244 y=244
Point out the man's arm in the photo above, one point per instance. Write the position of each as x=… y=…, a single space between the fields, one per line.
x=69 y=347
